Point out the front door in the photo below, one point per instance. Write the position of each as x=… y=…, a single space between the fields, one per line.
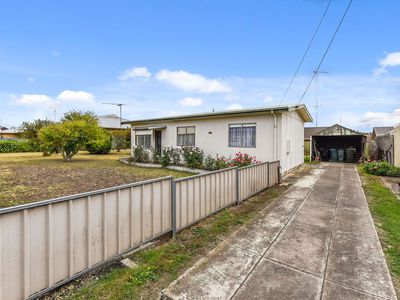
x=157 y=142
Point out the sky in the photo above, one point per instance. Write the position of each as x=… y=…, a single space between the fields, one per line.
x=171 y=57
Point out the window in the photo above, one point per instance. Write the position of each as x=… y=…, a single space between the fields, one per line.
x=143 y=140
x=186 y=136
x=242 y=135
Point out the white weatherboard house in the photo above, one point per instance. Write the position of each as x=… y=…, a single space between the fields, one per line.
x=269 y=133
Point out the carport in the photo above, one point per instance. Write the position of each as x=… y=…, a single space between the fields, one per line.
x=337 y=143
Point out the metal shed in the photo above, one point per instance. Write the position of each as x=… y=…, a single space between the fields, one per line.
x=337 y=143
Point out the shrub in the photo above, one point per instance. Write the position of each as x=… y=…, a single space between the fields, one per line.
x=30 y=132
x=14 y=146
x=382 y=169
x=193 y=157
x=176 y=156
x=140 y=154
x=243 y=159
x=165 y=158
x=209 y=163
x=101 y=144
x=307 y=158
x=222 y=162
x=155 y=156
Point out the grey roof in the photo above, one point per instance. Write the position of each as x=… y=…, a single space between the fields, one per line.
x=111 y=122
x=381 y=130
x=11 y=130
x=302 y=109
x=310 y=131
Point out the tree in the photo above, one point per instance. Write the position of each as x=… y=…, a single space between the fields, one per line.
x=75 y=115
x=120 y=139
x=30 y=131
x=69 y=136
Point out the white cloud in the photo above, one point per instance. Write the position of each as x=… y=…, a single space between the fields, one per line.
x=191 y=102
x=138 y=72
x=234 y=106
x=382 y=118
x=31 y=79
x=190 y=82
x=34 y=99
x=391 y=60
x=75 y=96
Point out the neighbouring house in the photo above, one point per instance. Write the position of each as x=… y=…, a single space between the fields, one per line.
x=308 y=133
x=336 y=143
x=12 y=133
x=112 y=122
x=396 y=145
x=382 y=144
x=269 y=133
x=379 y=131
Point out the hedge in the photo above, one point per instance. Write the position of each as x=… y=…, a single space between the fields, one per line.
x=13 y=146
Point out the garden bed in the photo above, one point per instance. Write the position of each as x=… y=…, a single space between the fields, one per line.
x=128 y=161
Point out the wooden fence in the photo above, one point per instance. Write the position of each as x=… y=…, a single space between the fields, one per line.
x=45 y=244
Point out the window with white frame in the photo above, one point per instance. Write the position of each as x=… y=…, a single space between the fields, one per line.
x=242 y=135
x=186 y=136
x=143 y=140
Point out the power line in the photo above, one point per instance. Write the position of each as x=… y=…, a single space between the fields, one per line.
x=306 y=52
x=326 y=51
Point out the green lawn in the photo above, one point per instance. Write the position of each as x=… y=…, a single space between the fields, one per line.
x=29 y=177
x=385 y=210
x=160 y=265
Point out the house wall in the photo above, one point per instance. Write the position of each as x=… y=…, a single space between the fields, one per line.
x=396 y=146
x=212 y=136
x=292 y=140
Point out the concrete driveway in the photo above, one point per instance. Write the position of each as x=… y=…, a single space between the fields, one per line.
x=317 y=241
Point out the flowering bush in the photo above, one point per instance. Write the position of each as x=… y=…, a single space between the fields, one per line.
x=193 y=157
x=243 y=159
x=140 y=154
x=222 y=162
x=155 y=155
x=165 y=158
x=209 y=163
x=176 y=156
x=382 y=168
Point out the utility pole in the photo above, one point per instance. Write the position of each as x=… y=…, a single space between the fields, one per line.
x=120 y=110
x=316 y=95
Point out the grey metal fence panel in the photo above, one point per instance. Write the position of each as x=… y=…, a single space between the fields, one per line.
x=45 y=243
x=202 y=195
x=252 y=179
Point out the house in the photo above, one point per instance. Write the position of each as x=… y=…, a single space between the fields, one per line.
x=396 y=145
x=12 y=133
x=111 y=122
x=379 y=131
x=269 y=133
x=308 y=133
x=337 y=143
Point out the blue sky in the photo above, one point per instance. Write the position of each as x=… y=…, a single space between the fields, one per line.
x=171 y=57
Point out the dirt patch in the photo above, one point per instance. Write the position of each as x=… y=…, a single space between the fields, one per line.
x=25 y=178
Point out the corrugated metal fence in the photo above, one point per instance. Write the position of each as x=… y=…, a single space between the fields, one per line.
x=47 y=243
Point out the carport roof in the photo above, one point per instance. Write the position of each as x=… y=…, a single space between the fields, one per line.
x=337 y=130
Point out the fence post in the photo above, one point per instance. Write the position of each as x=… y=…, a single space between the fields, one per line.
x=237 y=186
x=173 y=200
x=268 y=179
x=279 y=174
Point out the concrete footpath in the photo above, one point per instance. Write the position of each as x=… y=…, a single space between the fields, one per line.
x=317 y=241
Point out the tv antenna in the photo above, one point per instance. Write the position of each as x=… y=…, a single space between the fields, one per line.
x=317 y=106
x=120 y=110
x=54 y=108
